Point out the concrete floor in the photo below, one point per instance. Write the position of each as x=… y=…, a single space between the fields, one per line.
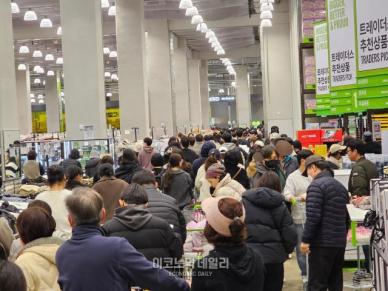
x=293 y=281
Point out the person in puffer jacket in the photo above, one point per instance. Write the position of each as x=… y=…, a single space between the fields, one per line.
x=270 y=227
x=326 y=227
x=222 y=184
x=37 y=257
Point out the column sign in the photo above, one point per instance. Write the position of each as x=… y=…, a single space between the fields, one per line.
x=321 y=58
x=372 y=34
x=341 y=43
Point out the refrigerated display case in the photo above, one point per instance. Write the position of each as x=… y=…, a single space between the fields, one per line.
x=86 y=147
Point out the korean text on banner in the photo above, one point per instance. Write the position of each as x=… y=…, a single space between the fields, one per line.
x=372 y=34
x=342 y=43
x=321 y=58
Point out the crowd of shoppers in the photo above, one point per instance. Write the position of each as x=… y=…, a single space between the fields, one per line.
x=261 y=199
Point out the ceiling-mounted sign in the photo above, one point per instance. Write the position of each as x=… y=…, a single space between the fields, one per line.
x=342 y=43
x=372 y=35
x=321 y=58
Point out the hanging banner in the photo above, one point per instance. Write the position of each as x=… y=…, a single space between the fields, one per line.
x=321 y=58
x=342 y=42
x=372 y=35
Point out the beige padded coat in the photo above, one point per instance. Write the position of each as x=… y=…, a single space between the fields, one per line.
x=37 y=261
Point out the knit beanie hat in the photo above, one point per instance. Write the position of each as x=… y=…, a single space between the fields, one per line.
x=215 y=171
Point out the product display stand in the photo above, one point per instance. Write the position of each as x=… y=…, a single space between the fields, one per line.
x=379 y=197
x=356 y=217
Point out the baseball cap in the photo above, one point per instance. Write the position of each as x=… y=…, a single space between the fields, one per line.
x=311 y=160
x=219 y=222
x=335 y=148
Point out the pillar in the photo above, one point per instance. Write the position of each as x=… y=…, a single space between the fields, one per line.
x=24 y=101
x=204 y=85
x=52 y=105
x=83 y=69
x=181 y=86
x=278 y=91
x=8 y=100
x=243 y=96
x=159 y=75
x=134 y=110
x=194 y=67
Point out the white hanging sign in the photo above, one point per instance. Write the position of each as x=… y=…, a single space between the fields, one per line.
x=342 y=43
x=321 y=59
x=372 y=34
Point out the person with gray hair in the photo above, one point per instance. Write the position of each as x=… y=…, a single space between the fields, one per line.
x=91 y=261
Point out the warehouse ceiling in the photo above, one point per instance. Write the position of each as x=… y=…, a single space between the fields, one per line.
x=211 y=10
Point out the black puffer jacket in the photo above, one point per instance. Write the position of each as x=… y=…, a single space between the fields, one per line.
x=91 y=167
x=148 y=234
x=326 y=214
x=126 y=171
x=166 y=208
x=228 y=269
x=270 y=226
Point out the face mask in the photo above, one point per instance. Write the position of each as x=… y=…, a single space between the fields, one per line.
x=310 y=178
x=272 y=164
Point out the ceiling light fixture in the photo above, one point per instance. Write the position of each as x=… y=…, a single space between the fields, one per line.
x=37 y=81
x=267 y=1
x=197 y=19
x=37 y=54
x=36 y=68
x=114 y=77
x=50 y=73
x=41 y=101
x=40 y=70
x=105 y=4
x=266 y=15
x=266 y=7
x=22 y=67
x=209 y=33
x=46 y=22
x=233 y=84
x=112 y=10
x=202 y=27
x=62 y=94
x=221 y=91
x=24 y=50
x=106 y=51
x=49 y=57
x=185 y=4
x=108 y=94
x=266 y=23
x=191 y=11
x=40 y=96
x=15 y=8
x=59 y=30
x=32 y=95
x=113 y=54
x=30 y=15
x=107 y=74
x=59 y=61
x=33 y=100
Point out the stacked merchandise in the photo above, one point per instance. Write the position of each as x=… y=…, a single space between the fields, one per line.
x=309 y=70
x=312 y=11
